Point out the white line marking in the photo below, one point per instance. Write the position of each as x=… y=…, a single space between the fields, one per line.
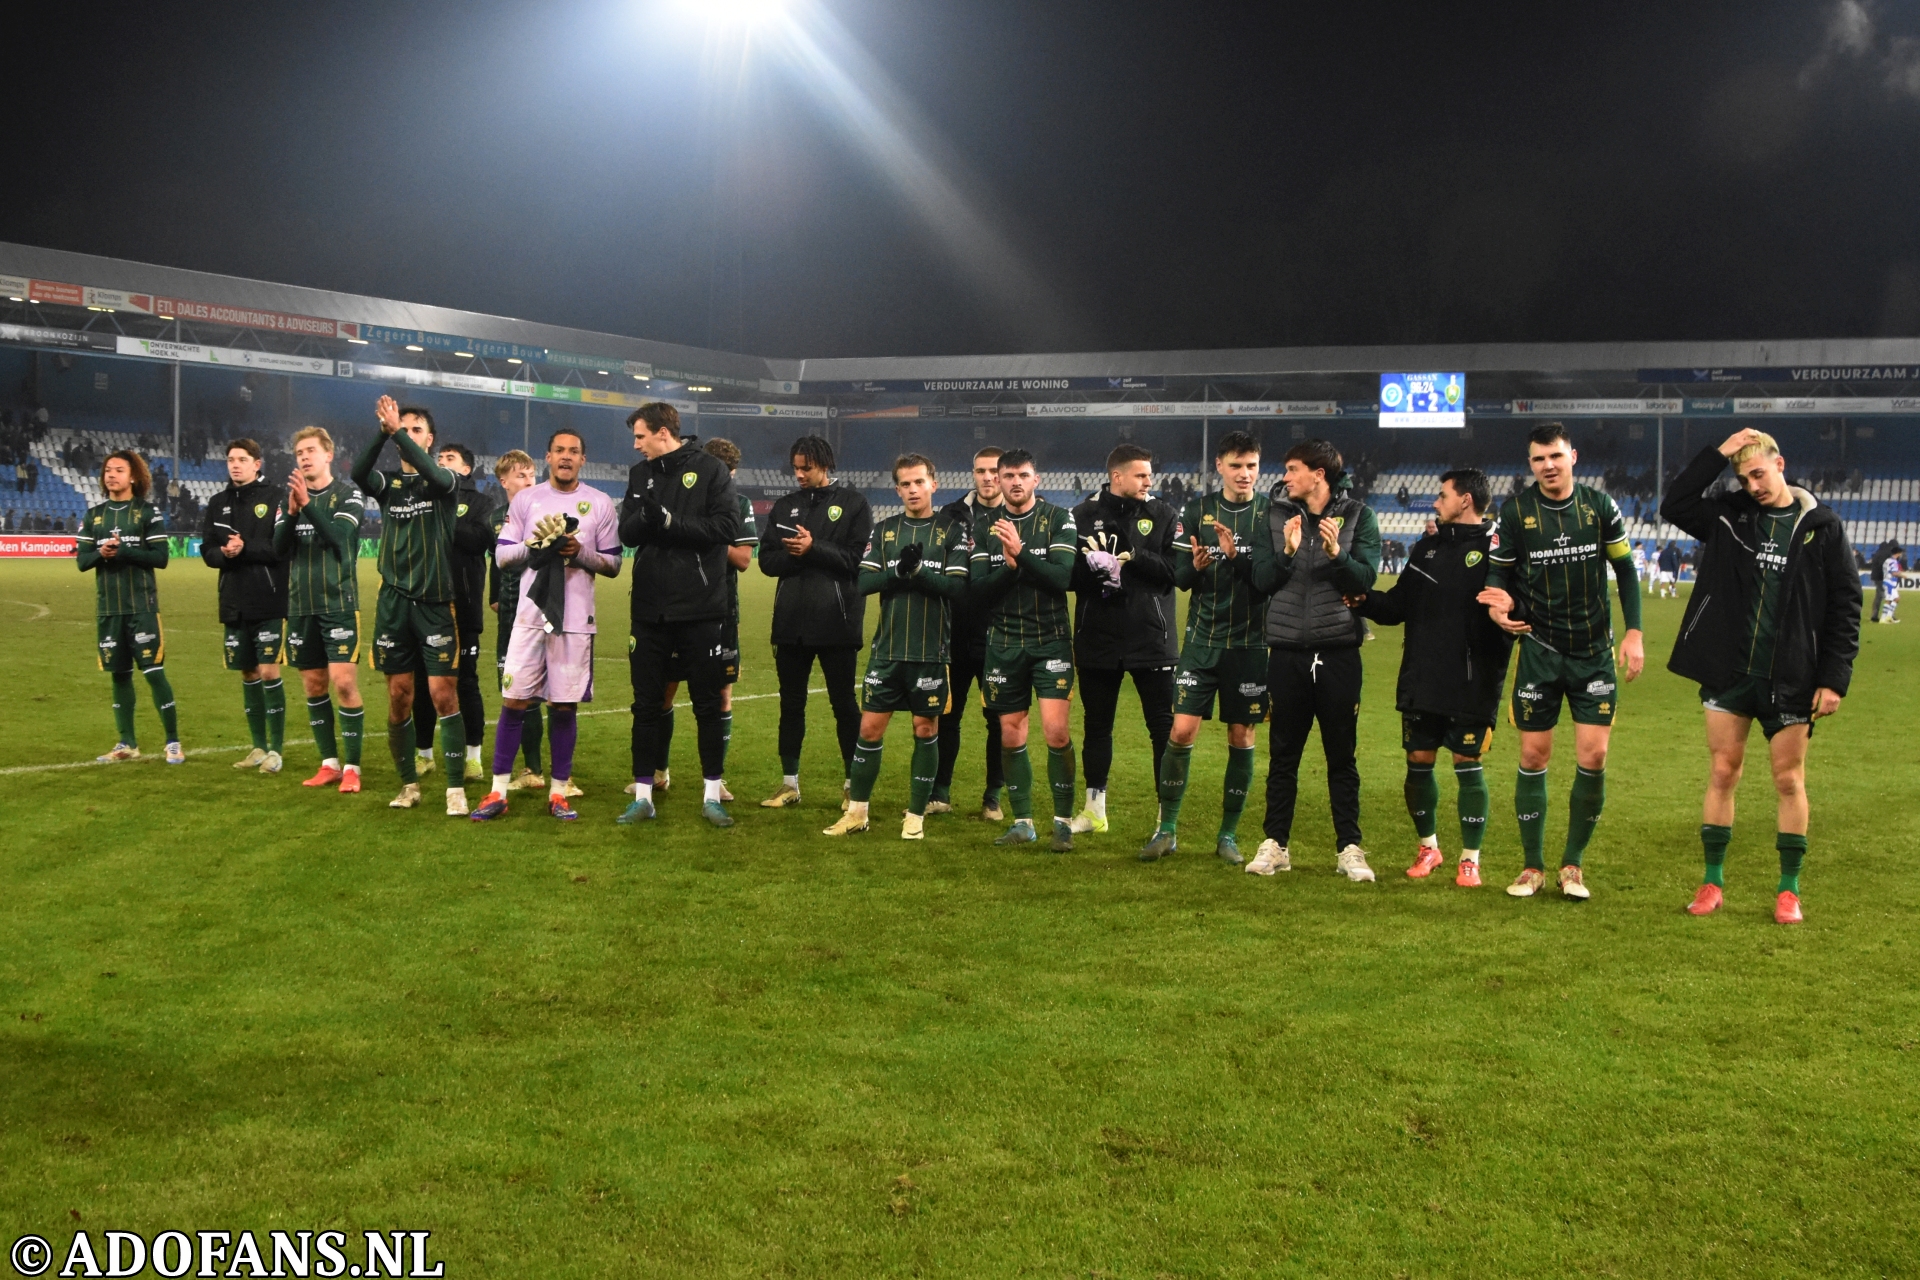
x=40 y=611
x=305 y=742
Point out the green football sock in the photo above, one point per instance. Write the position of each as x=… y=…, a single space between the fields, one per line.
x=926 y=763
x=353 y=727
x=320 y=720
x=453 y=747
x=660 y=757
x=1530 y=809
x=1174 y=767
x=1019 y=774
x=123 y=706
x=276 y=699
x=1060 y=777
x=863 y=770
x=400 y=747
x=1239 y=781
x=163 y=701
x=1714 y=839
x=253 y=695
x=1423 y=800
x=1475 y=803
x=1583 y=811
x=1793 y=852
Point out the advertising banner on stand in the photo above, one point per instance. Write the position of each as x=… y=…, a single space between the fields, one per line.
x=38 y=546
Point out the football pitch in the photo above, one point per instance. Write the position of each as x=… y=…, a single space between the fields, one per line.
x=234 y=1003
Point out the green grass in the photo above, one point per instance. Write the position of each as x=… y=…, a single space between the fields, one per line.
x=568 y=1051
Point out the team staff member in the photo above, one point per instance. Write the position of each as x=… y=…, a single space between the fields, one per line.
x=1770 y=634
x=1225 y=652
x=514 y=470
x=916 y=563
x=819 y=533
x=1321 y=544
x=1123 y=621
x=681 y=515
x=236 y=537
x=1453 y=664
x=318 y=533
x=473 y=535
x=968 y=666
x=121 y=542
x=1557 y=541
x=1021 y=567
x=414 y=619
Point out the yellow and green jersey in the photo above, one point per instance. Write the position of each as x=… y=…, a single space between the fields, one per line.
x=916 y=623
x=1032 y=609
x=418 y=510
x=123 y=582
x=1552 y=556
x=1223 y=610
x=322 y=541
x=1770 y=557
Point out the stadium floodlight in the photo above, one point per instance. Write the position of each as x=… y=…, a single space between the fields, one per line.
x=10 y=298
x=738 y=13
x=513 y=359
x=699 y=388
x=358 y=342
x=412 y=347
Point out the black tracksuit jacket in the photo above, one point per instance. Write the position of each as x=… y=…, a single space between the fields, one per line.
x=818 y=602
x=253 y=584
x=1817 y=626
x=680 y=564
x=1134 y=629
x=473 y=539
x=1453 y=658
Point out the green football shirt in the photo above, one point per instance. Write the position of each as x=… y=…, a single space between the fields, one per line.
x=916 y=626
x=1552 y=557
x=418 y=510
x=1028 y=612
x=323 y=540
x=1770 y=557
x=123 y=583
x=1223 y=611
x=749 y=537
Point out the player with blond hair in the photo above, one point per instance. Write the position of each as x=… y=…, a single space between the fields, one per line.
x=318 y=534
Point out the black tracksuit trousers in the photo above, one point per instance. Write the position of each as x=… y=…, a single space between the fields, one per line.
x=1100 y=695
x=1309 y=687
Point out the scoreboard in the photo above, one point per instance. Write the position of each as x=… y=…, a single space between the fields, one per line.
x=1423 y=400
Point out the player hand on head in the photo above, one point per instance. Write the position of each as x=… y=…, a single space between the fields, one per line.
x=1738 y=441
x=1499 y=605
x=909 y=562
x=387 y=409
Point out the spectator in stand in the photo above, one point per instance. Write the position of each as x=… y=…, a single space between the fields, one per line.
x=20 y=476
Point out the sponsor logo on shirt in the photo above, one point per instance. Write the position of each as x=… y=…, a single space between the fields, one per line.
x=144 y=637
x=339 y=633
x=927 y=683
x=1250 y=690
x=436 y=640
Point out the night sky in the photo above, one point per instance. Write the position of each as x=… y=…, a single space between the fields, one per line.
x=1004 y=176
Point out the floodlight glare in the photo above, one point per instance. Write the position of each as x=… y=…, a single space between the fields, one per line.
x=738 y=13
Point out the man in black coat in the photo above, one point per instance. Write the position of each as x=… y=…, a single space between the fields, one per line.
x=237 y=539
x=1123 y=621
x=813 y=547
x=1453 y=664
x=680 y=514
x=1770 y=633
x=969 y=647
x=473 y=535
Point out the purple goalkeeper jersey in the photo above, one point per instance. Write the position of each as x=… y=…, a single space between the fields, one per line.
x=599 y=536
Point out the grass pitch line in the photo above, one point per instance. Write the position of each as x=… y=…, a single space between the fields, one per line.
x=40 y=611
x=297 y=742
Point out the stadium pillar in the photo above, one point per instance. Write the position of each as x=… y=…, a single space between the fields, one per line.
x=1659 y=470
x=176 y=420
x=526 y=426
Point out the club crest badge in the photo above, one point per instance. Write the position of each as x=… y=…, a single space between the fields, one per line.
x=583 y=507
x=1144 y=525
x=259 y=510
x=686 y=479
x=1473 y=558
x=834 y=513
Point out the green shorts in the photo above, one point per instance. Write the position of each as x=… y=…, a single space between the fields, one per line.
x=917 y=687
x=1752 y=697
x=1015 y=677
x=1542 y=678
x=1239 y=676
x=127 y=640
x=1430 y=731
x=318 y=640
x=249 y=644
x=409 y=633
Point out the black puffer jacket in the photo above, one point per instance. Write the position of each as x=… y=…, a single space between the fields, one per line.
x=1817 y=628
x=818 y=602
x=473 y=536
x=1453 y=659
x=253 y=584
x=1134 y=629
x=1305 y=609
x=680 y=565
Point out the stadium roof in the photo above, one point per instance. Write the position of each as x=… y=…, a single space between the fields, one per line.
x=111 y=276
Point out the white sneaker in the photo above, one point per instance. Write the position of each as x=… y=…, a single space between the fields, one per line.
x=456 y=802
x=913 y=826
x=409 y=797
x=272 y=763
x=1272 y=856
x=252 y=760
x=724 y=793
x=1352 y=864
x=176 y=754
